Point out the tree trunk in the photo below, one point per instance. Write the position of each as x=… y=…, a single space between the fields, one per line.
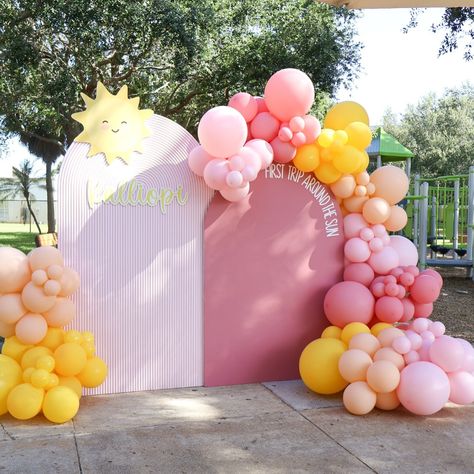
x=50 y=197
x=32 y=214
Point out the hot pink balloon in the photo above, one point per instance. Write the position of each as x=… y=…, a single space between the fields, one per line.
x=265 y=126
x=353 y=225
x=198 y=159
x=448 y=353
x=236 y=194
x=360 y=272
x=289 y=92
x=245 y=104
x=462 y=388
x=389 y=309
x=282 y=152
x=263 y=149
x=406 y=250
x=215 y=173
x=357 y=250
x=424 y=388
x=425 y=289
x=384 y=261
x=348 y=302
x=312 y=128
x=222 y=131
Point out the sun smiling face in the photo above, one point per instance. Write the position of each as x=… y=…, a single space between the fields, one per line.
x=113 y=124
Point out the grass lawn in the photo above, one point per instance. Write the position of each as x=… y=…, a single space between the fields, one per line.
x=19 y=236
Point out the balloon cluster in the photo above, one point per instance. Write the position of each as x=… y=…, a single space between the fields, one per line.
x=42 y=367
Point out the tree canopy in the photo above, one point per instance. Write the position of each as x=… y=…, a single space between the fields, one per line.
x=439 y=131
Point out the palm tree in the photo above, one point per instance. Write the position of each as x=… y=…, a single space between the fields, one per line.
x=21 y=183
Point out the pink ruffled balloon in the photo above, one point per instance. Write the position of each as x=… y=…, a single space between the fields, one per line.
x=265 y=126
x=237 y=194
x=245 y=104
x=215 y=173
x=406 y=250
x=264 y=151
x=282 y=152
x=198 y=159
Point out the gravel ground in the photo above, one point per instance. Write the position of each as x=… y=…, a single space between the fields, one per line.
x=455 y=306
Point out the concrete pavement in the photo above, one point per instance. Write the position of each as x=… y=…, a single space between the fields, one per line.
x=276 y=427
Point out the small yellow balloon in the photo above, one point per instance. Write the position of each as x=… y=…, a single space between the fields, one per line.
x=53 y=381
x=326 y=137
x=89 y=348
x=331 y=331
x=325 y=155
x=319 y=366
x=73 y=336
x=53 y=339
x=13 y=348
x=10 y=376
x=27 y=373
x=326 y=173
x=339 y=116
x=94 y=373
x=71 y=382
x=351 y=329
x=45 y=362
x=341 y=137
x=87 y=336
x=24 y=401
x=70 y=359
x=378 y=327
x=31 y=356
x=359 y=135
x=363 y=163
x=348 y=160
x=39 y=378
x=60 y=404
x=306 y=158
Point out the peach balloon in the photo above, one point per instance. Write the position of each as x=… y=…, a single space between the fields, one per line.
x=52 y=288
x=355 y=203
x=7 y=330
x=39 y=277
x=353 y=365
x=61 y=314
x=42 y=257
x=69 y=282
x=397 y=219
x=14 y=270
x=11 y=308
x=387 y=353
x=31 y=328
x=55 y=272
x=387 y=401
x=376 y=210
x=363 y=178
x=35 y=300
x=344 y=186
x=391 y=183
x=359 y=398
x=365 y=342
x=388 y=335
x=383 y=376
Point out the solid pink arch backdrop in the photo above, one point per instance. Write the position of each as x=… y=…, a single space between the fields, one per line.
x=268 y=262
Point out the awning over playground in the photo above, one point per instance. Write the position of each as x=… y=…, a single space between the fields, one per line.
x=353 y=4
x=387 y=147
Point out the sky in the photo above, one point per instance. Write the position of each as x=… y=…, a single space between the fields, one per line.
x=397 y=69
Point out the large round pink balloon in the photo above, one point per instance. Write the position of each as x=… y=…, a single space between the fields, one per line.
x=14 y=270
x=222 y=131
x=353 y=224
x=283 y=152
x=406 y=250
x=264 y=126
x=384 y=261
x=462 y=388
x=448 y=353
x=389 y=309
x=289 y=92
x=347 y=302
x=245 y=104
x=215 y=173
x=426 y=289
x=360 y=272
x=468 y=364
x=198 y=159
x=424 y=388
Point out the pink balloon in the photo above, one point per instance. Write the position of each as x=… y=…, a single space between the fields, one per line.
x=261 y=105
x=360 y=272
x=234 y=179
x=35 y=300
x=434 y=274
x=424 y=388
x=42 y=257
x=198 y=159
x=264 y=151
x=348 y=302
x=297 y=124
x=253 y=163
x=425 y=289
x=69 y=281
x=389 y=309
x=424 y=350
x=468 y=364
x=215 y=173
x=407 y=279
x=427 y=336
x=378 y=289
x=285 y=134
x=411 y=357
x=312 y=128
x=222 y=131
x=11 y=308
x=415 y=340
x=31 y=328
x=423 y=310
x=356 y=250
x=367 y=234
x=236 y=194
x=14 y=270
x=353 y=225
x=265 y=126
x=420 y=325
x=448 y=353
x=376 y=244
x=462 y=388
x=245 y=104
x=438 y=328
x=289 y=92
x=402 y=345
x=39 y=277
x=384 y=261
x=406 y=250
x=413 y=269
x=282 y=152
x=61 y=314
x=298 y=139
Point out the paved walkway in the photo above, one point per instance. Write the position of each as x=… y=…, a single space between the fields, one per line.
x=274 y=428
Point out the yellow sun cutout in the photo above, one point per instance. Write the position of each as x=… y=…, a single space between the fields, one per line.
x=113 y=124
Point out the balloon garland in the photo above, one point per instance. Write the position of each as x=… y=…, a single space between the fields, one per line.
x=42 y=367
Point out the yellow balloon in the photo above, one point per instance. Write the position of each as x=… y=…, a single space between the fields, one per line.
x=341 y=115
x=341 y=137
x=13 y=348
x=326 y=173
x=326 y=137
x=45 y=362
x=10 y=376
x=24 y=401
x=70 y=359
x=73 y=336
x=31 y=356
x=325 y=155
x=39 y=378
x=348 y=160
x=87 y=336
x=60 y=404
x=319 y=366
x=359 y=135
x=363 y=163
x=331 y=331
x=306 y=158
x=27 y=373
x=378 y=327
x=53 y=381
x=53 y=339
x=94 y=373
x=71 y=382
x=352 y=329
x=89 y=348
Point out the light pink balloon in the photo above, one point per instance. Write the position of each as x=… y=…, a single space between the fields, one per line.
x=245 y=104
x=448 y=353
x=438 y=328
x=35 y=300
x=234 y=179
x=360 y=272
x=39 y=277
x=297 y=124
x=312 y=128
x=462 y=388
x=468 y=364
x=424 y=388
x=31 y=328
x=265 y=126
x=415 y=340
x=236 y=194
x=236 y=163
x=411 y=357
x=425 y=289
x=427 y=336
x=42 y=257
x=263 y=149
x=356 y=250
x=384 y=261
x=299 y=138
x=285 y=134
x=198 y=159
x=69 y=281
x=423 y=310
x=282 y=152
x=14 y=270
x=353 y=225
x=61 y=314
x=424 y=350
x=367 y=234
x=222 y=131
x=11 y=308
x=253 y=163
x=376 y=244
x=406 y=250
x=215 y=173
x=389 y=309
x=420 y=325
